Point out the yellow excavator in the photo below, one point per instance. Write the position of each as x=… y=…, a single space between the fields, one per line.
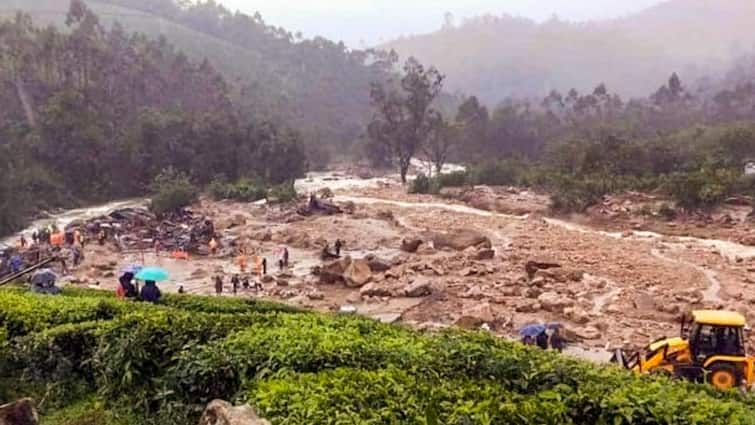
x=710 y=348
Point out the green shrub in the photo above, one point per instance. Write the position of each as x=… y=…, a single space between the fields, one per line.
x=701 y=189
x=455 y=179
x=424 y=185
x=244 y=190
x=282 y=193
x=171 y=191
x=393 y=396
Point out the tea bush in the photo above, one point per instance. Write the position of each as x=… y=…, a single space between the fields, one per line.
x=144 y=364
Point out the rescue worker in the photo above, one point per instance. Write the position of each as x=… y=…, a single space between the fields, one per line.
x=218 y=285
x=235 y=282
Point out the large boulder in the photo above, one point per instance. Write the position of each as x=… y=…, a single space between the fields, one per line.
x=358 y=273
x=220 y=412
x=461 y=239
x=22 y=412
x=483 y=254
x=553 y=302
x=374 y=289
x=533 y=266
x=419 y=288
x=332 y=272
x=475 y=316
x=411 y=245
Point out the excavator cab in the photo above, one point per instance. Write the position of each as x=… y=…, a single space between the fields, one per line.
x=710 y=348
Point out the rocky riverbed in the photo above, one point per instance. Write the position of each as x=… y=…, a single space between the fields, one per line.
x=486 y=257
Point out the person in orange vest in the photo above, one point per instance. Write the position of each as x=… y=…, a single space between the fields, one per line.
x=241 y=262
x=213 y=246
x=258 y=266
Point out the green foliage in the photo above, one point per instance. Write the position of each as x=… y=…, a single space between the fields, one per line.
x=244 y=190
x=161 y=364
x=282 y=193
x=703 y=188
x=424 y=184
x=171 y=191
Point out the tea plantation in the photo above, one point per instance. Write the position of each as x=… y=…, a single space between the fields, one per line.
x=88 y=358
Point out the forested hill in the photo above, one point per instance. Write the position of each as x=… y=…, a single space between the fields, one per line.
x=90 y=114
x=319 y=87
x=505 y=56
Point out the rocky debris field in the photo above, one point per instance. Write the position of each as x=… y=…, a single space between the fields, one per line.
x=433 y=262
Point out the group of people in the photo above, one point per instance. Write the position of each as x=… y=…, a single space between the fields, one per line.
x=237 y=283
x=327 y=254
x=127 y=289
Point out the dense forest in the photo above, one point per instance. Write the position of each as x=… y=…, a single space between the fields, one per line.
x=91 y=114
x=500 y=56
x=315 y=86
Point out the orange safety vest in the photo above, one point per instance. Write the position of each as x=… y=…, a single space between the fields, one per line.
x=57 y=239
x=213 y=244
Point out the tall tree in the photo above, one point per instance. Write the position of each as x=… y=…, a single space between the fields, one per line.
x=404 y=115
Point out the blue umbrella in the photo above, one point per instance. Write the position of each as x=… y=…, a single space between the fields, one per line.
x=132 y=268
x=155 y=274
x=531 y=330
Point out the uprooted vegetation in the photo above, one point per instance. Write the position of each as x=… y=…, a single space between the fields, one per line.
x=93 y=357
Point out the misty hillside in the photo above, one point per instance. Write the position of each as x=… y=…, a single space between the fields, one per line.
x=319 y=87
x=504 y=56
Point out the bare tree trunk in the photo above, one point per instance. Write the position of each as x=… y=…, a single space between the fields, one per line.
x=25 y=100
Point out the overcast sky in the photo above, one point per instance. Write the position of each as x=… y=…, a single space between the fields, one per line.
x=372 y=21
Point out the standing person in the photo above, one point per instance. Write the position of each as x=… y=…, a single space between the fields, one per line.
x=235 y=282
x=285 y=257
x=16 y=263
x=22 y=242
x=102 y=237
x=35 y=238
x=245 y=282
x=213 y=246
x=241 y=262
x=338 y=247
x=77 y=257
x=264 y=266
x=150 y=292
x=218 y=285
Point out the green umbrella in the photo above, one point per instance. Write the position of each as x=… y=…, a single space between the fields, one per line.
x=155 y=274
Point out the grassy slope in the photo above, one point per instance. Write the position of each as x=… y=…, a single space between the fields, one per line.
x=232 y=60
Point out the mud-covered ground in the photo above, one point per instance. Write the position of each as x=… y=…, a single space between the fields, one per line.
x=623 y=279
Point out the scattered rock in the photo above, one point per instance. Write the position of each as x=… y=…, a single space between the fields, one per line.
x=220 y=412
x=358 y=273
x=411 y=245
x=588 y=333
x=468 y=271
x=263 y=235
x=553 y=302
x=577 y=315
x=461 y=240
x=21 y=412
x=378 y=266
x=533 y=266
x=484 y=254
x=373 y=289
x=474 y=317
x=268 y=279
x=316 y=295
x=528 y=306
x=560 y=274
x=644 y=302
x=418 y=288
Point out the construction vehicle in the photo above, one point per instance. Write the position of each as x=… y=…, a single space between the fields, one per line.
x=710 y=348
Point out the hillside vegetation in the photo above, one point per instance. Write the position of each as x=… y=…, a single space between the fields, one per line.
x=316 y=86
x=92 y=114
x=108 y=361
x=500 y=56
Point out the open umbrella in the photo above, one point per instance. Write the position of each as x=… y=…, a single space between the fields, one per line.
x=155 y=274
x=531 y=330
x=132 y=268
x=43 y=278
